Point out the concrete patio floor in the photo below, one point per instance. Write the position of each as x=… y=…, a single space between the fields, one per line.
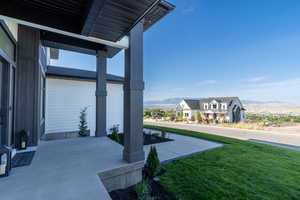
x=67 y=169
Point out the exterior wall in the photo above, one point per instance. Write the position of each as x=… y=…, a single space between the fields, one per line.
x=186 y=110
x=28 y=83
x=191 y=113
x=65 y=98
x=237 y=103
x=184 y=106
x=8 y=82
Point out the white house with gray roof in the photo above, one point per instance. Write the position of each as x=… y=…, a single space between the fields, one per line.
x=222 y=109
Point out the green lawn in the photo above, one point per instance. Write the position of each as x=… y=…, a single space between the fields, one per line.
x=240 y=170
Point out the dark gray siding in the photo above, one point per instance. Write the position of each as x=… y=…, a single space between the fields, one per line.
x=28 y=83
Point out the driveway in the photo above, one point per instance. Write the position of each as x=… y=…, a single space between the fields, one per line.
x=282 y=137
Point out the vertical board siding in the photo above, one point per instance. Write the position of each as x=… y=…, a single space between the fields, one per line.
x=65 y=99
x=27 y=83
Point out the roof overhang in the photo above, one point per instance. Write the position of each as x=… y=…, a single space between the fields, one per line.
x=63 y=72
x=104 y=22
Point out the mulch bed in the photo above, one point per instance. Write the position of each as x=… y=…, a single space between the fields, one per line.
x=148 y=139
x=129 y=193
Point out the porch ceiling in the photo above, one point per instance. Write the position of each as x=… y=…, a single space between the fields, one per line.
x=109 y=20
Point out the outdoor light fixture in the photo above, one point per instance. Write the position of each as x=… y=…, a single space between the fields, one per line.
x=5 y=161
x=23 y=140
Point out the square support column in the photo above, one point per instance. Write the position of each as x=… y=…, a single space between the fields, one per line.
x=101 y=94
x=133 y=97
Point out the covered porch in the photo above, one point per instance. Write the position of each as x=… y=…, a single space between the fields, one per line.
x=99 y=28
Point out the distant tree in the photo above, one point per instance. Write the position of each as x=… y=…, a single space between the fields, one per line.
x=199 y=117
x=147 y=113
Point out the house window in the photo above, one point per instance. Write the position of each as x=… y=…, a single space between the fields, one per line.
x=6 y=44
x=205 y=106
x=224 y=107
x=214 y=106
x=186 y=114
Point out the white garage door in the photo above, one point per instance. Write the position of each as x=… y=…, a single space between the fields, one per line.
x=66 y=98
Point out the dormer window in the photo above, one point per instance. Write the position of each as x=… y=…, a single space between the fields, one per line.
x=214 y=106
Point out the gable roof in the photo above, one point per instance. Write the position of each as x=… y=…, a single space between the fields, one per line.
x=219 y=99
x=197 y=104
x=192 y=103
x=78 y=73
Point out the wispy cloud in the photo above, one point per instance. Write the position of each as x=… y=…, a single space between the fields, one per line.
x=256 y=79
x=276 y=84
x=188 y=10
x=206 y=82
x=286 y=90
x=178 y=89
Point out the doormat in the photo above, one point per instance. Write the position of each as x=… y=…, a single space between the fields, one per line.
x=22 y=159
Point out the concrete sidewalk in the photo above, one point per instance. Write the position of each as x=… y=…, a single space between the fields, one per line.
x=275 y=137
x=182 y=146
x=297 y=148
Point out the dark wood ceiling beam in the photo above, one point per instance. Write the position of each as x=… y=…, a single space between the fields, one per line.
x=91 y=14
x=22 y=11
x=58 y=38
x=58 y=41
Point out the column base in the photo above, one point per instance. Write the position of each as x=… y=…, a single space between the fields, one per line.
x=132 y=157
x=123 y=177
x=100 y=134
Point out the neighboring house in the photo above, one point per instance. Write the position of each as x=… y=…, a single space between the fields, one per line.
x=223 y=109
x=70 y=90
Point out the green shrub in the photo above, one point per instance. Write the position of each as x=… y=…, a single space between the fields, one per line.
x=142 y=190
x=115 y=137
x=152 y=163
x=115 y=133
x=83 y=128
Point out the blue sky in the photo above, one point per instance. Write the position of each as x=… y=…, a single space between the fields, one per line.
x=245 y=48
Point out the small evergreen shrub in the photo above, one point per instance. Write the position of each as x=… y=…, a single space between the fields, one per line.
x=152 y=164
x=83 y=128
x=142 y=190
x=115 y=133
